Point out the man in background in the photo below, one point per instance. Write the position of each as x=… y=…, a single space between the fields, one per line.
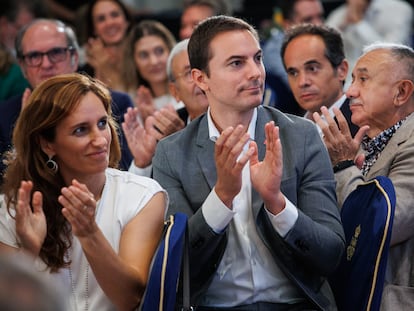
x=46 y=48
x=15 y=14
x=293 y=13
x=195 y=11
x=382 y=105
x=314 y=59
x=362 y=22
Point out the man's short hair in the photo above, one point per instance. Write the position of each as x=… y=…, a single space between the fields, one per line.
x=287 y=7
x=199 y=51
x=70 y=34
x=403 y=55
x=177 y=49
x=334 y=46
x=11 y=8
x=218 y=7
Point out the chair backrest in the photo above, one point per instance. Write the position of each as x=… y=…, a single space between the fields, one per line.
x=367 y=217
x=162 y=286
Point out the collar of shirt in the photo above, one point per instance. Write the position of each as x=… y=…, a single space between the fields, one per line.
x=214 y=133
x=337 y=104
x=373 y=147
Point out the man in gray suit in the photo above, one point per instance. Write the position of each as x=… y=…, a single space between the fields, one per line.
x=382 y=104
x=258 y=187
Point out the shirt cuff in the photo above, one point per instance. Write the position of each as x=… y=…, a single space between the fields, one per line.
x=145 y=171
x=216 y=213
x=285 y=220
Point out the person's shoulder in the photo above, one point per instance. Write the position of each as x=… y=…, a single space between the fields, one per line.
x=336 y=15
x=392 y=4
x=118 y=96
x=12 y=102
x=276 y=38
x=124 y=178
x=187 y=134
x=120 y=103
x=10 y=108
x=283 y=118
x=293 y=127
x=129 y=193
x=406 y=131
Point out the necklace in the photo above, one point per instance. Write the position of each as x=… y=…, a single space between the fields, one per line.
x=71 y=278
x=73 y=287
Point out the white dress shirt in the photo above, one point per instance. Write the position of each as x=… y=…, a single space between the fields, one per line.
x=247 y=272
x=336 y=104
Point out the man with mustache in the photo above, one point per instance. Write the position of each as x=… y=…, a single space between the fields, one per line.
x=382 y=104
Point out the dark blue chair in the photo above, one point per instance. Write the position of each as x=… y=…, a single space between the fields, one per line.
x=367 y=216
x=170 y=263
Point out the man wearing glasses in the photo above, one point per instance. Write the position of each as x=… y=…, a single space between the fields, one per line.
x=46 y=48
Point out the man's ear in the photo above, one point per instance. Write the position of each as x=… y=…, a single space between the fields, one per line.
x=74 y=60
x=173 y=91
x=404 y=92
x=342 y=70
x=200 y=78
x=22 y=67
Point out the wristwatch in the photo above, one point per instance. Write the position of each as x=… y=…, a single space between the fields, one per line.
x=343 y=165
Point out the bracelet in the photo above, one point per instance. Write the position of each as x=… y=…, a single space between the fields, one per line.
x=343 y=165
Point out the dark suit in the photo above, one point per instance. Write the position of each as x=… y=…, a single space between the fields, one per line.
x=10 y=110
x=183 y=114
x=184 y=165
x=346 y=111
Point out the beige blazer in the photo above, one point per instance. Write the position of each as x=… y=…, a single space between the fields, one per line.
x=397 y=162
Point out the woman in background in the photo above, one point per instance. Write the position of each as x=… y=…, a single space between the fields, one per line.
x=12 y=81
x=107 y=25
x=145 y=67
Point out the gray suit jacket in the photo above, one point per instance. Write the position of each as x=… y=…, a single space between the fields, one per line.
x=397 y=162
x=184 y=165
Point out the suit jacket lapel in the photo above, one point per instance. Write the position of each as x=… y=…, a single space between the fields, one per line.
x=346 y=111
x=205 y=153
x=262 y=119
x=400 y=136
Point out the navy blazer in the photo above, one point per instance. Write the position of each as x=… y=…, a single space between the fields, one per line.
x=10 y=110
x=184 y=165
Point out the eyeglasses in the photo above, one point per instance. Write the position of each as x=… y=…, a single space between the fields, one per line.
x=55 y=55
x=186 y=75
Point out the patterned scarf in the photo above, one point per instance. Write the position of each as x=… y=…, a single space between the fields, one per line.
x=374 y=146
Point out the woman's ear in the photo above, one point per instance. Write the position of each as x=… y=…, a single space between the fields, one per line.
x=47 y=147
